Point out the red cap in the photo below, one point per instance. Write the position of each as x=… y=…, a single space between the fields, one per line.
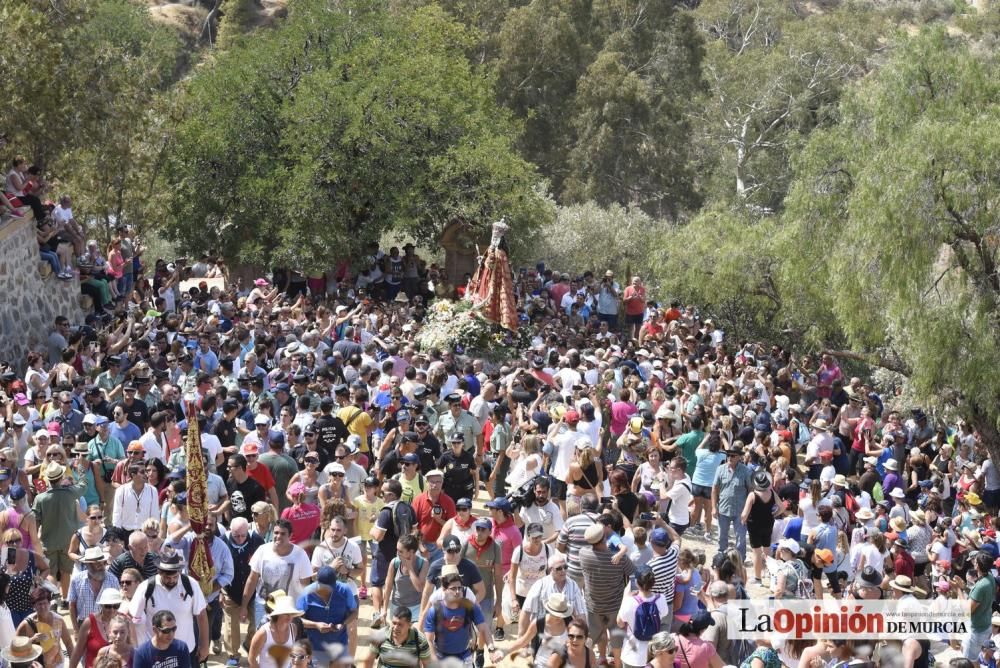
x=571 y=417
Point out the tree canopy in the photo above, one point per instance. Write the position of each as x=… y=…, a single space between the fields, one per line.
x=322 y=134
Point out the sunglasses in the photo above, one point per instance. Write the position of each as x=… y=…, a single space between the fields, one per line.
x=297 y=657
x=559 y=568
x=311 y=460
x=128 y=583
x=575 y=636
x=338 y=475
x=167 y=631
x=53 y=455
x=16 y=541
x=97 y=517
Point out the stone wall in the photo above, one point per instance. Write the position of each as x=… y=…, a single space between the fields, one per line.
x=30 y=295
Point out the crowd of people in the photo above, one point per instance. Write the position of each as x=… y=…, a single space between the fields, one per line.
x=640 y=472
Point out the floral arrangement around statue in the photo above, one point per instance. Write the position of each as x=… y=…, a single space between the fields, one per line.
x=460 y=326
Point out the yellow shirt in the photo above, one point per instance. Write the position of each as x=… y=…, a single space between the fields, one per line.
x=367 y=513
x=357 y=423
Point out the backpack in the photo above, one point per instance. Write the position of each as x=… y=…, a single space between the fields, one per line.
x=803 y=436
x=151 y=585
x=647 y=619
x=402 y=518
x=439 y=620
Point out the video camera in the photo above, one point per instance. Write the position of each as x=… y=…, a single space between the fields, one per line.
x=524 y=495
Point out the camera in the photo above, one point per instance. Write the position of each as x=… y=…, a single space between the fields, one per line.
x=524 y=495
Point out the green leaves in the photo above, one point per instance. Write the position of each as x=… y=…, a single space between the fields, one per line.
x=340 y=125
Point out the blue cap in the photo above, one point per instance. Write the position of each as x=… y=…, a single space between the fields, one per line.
x=326 y=576
x=411 y=458
x=464 y=502
x=100 y=419
x=178 y=474
x=660 y=537
x=245 y=394
x=484 y=523
x=402 y=415
x=277 y=438
x=283 y=387
x=17 y=493
x=191 y=345
x=501 y=504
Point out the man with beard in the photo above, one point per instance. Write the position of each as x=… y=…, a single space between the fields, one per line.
x=175 y=592
x=543 y=511
x=85 y=586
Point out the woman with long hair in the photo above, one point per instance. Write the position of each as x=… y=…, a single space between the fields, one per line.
x=264 y=517
x=584 y=471
x=709 y=456
x=661 y=652
x=121 y=647
x=809 y=505
x=525 y=460
x=91 y=534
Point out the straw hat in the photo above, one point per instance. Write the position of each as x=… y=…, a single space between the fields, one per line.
x=556 y=604
x=904 y=584
x=898 y=524
x=21 y=650
x=840 y=480
x=864 y=514
x=54 y=471
x=285 y=605
x=918 y=517
x=819 y=424
x=93 y=555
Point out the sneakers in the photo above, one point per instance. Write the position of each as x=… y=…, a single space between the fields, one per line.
x=695 y=528
x=217 y=647
x=233 y=661
x=363 y=593
x=707 y=536
x=377 y=620
x=65 y=276
x=498 y=634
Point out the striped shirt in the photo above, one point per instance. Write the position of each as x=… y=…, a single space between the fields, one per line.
x=664 y=569
x=603 y=580
x=571 y=537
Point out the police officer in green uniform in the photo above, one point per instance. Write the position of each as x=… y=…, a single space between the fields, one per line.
x=458 y=420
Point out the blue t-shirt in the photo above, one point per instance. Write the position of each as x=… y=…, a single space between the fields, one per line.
x=126 y=434
x=452 y=634
x=826 y=538
x=342 y=603
x=689 y=605
x=176 y=655
x=793 y=529
x=705 y=466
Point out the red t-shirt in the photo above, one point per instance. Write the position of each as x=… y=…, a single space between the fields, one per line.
x=261 y=474
x=424 y=509
x=635 y=300
x=304 y=519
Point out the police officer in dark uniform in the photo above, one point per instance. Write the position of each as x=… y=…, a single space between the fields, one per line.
x=330 y=429
x=428 y=446
x=461 y=476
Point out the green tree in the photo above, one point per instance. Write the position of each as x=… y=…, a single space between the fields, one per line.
x=581 y=234
x=337 y=126
x=891 y=223
x=83 y=102
x=774 y=75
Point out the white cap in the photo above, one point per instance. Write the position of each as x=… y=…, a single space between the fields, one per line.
x=335 y=467
x=262 y=419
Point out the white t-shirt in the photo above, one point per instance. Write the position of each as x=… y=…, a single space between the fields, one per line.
x=211 y=443
x=810 y=516
x=277 y=572
x=176 y=600
x=680 y=495
x=548 y=516
x=563 y=447
x=531 y=568
x=634 y=650
x=323 y=555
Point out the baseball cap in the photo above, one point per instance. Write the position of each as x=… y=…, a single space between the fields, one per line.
x=463 y=503
x=501 y=503
x=262 y=419
x=483 y=523
x=535 y=529
x=411 y=458
x=660 y=537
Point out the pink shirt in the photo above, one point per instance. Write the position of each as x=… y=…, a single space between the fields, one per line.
x=621 y=411
x=508 y=537
x=696 y=652
x=304 y=519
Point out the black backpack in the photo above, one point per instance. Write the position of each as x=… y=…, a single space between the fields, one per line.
x=151 y=585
